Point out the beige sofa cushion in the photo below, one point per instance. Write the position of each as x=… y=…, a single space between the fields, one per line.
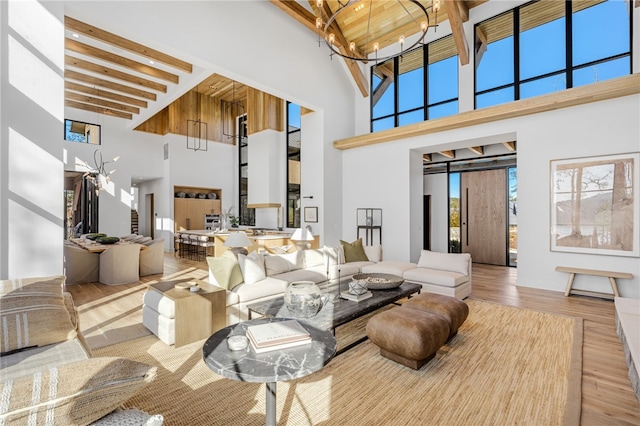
x=29 y=320
x=313 y=258
x=74 y=393
x=267 y=287
x=435 y=276
x=454 y=262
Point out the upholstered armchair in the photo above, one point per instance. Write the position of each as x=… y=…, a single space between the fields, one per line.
x=120 y=264
x=80 y=265
x=152 y=258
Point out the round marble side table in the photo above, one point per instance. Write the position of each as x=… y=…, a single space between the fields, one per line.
x=269 y=367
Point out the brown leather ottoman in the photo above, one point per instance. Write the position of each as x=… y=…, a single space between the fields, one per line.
x=407 y=336
x=452 y=309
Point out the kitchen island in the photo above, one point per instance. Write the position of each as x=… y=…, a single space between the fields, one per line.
x=264 y=240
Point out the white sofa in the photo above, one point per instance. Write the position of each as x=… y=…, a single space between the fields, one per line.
x=442 y=273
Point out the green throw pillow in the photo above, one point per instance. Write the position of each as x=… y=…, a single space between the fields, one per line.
x=225 y=270
x=354 y=252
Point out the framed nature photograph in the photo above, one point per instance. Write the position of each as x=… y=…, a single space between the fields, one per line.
x=311 y=214
x=595 y=206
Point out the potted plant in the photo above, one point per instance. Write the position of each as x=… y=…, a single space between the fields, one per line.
x=234 y=220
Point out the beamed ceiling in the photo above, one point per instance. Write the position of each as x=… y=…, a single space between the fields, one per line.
x=109 y=74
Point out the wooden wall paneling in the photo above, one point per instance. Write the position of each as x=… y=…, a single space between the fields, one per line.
x=264 y=111
x=158 y=124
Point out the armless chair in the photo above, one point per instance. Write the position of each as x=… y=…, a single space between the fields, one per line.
x=152 y=258
x=120 y=264
x=80 y=265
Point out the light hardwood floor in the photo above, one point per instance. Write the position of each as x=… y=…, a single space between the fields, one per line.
x=111 y=314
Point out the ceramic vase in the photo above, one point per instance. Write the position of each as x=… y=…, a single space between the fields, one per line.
x=303 y=299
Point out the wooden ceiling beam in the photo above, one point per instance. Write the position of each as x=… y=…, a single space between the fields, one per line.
x=110 y=72
x=511 y=146
x=382 y=87
x=478 y=150
x=426 y=157
x=480 y=46
x=94 y=52
x=463 y=10
x=86 y=78
x=100 y=102
x=306 y=18
x=99 y=110
x=104 y=94
x=455 y=20
x=128 y=45
x=449 y=154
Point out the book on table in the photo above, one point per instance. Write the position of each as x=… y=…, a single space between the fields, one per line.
x=356 y=297
x=277 y=335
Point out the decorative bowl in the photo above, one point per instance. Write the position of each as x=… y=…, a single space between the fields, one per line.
x=107 y=240
x=376 y=281
x=94 y=235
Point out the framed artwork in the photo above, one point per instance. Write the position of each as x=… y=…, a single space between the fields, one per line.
x=311 y=214
x=595 y=207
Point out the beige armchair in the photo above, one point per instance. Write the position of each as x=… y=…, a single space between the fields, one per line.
x=120 y=264
x=152 y=258
x=80 y=265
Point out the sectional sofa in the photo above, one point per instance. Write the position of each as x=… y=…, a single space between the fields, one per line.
x=259 y=277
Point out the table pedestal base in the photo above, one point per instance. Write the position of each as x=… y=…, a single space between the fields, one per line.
x=271 y=404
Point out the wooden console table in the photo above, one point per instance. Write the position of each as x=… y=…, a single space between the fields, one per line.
x=609 y=274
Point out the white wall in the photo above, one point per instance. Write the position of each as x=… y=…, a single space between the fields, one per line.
x=31 y=180
x=436 y=185
x=565 y=133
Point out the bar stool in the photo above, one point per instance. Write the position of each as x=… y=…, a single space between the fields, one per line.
x=194 y=242
x=204 y=242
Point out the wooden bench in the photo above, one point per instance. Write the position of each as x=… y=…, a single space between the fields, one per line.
x=609 y=274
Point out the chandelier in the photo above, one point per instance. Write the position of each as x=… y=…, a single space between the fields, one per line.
x=410 y=13
x=99 y=172
x=197 y=130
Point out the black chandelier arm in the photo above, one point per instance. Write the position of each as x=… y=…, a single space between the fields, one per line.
x=365 y=58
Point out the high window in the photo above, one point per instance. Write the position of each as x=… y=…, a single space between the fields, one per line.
x=294 y=144
x=78 y=131
x=408 y=89
x=547 y=46
x=247 y=215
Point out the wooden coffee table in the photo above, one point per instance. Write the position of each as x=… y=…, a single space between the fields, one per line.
x=336 y=311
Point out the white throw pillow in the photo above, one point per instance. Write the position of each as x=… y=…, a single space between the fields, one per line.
x=280 y=263
x=374 y=253
x=252 y=267
x=331 y=256
x=454 y=262
x=313 y=258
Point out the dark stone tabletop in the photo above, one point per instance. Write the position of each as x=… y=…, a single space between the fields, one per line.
x=275 y=366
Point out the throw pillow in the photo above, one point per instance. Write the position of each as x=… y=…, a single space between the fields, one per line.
x=454 y=262
x=226 y=270
x=252 y=267
x=354 y=252
x=280 y=263
x=75 y=393
x=313 y=258
x=374 y=253
x=30 y=320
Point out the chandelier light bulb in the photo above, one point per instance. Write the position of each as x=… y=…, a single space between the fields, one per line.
x=424 y=26
x=401 y=40
x=319 y=4
x=352 y=46
x=318 y=23
x=376 y=46
x=332 y=38
x=436 y=6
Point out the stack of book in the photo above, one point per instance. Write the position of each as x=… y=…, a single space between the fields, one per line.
x=356 y=297
x=277 y=335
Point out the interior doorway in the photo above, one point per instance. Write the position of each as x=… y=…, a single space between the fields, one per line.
x=150 y=224
x=483 y=216
x=81 y=204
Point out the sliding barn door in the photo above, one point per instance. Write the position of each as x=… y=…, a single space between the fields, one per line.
x=484 y=216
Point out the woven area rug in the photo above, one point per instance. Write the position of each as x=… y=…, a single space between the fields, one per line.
x=506 y=366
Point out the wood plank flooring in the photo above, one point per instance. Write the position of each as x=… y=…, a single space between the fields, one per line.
x=111 y=314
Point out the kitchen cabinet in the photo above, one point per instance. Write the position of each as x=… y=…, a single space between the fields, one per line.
x=188 y=213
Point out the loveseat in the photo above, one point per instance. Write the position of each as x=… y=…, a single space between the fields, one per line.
x=42 y=349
